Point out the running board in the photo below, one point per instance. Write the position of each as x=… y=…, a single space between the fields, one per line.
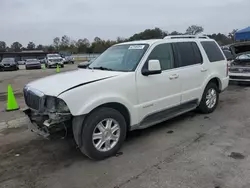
x=166 y=114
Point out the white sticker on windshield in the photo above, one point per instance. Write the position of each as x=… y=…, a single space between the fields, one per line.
x=136 y=47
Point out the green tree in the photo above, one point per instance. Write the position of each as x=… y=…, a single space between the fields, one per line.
x=73 y=48
x=155 y=33
x=56 y=43
x=3 y=46
x=65 y=42
x=16 y=46
x=194 y=30
x=40 y=47
x=231 y=35
x=221 y=38
x=31 y=46
x=175 y=33
x=83 y=45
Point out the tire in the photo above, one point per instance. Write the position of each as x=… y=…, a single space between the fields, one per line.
x=90 y=127
x=209 y=108
x=62 y=66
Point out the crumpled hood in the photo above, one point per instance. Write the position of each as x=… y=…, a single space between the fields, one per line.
x=56 y=84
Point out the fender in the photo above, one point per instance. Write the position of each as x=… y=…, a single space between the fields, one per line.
x=101 y=100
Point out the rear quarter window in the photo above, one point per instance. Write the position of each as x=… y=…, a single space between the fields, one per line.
x=213 y=51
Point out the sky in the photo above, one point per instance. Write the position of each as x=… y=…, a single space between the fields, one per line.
x=41 y=21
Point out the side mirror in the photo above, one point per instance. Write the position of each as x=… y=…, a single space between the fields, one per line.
x=154 y=67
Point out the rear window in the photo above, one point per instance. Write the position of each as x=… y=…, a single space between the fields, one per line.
x=213 y=51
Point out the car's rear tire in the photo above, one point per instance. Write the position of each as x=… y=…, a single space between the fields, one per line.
x=210 y=98
x=103 y=133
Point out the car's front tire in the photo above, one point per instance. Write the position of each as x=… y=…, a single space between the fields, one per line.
x=210 y=98
x=103 y=133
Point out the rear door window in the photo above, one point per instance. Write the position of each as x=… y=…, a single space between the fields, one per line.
x=213 y=51
x=187 y=53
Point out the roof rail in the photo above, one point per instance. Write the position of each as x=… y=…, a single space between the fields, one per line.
x=186 y=37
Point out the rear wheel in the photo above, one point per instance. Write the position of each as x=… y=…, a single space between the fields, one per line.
x=103 y=133
x=209 y=99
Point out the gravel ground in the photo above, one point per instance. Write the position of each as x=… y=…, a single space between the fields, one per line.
x=193 y=150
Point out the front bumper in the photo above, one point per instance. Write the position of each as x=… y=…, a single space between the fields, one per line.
x=49 y=124
x=239 y=77
x=10 y=68
x=55 y=64
x=36 y=66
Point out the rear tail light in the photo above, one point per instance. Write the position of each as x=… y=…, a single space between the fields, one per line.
x=228 y=67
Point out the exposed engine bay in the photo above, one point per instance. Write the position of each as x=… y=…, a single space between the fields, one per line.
x=47 y=114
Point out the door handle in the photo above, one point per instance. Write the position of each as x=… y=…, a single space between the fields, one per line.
x=174 y=76
x=203 y=70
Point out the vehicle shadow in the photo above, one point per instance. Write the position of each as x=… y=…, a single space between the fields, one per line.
x=167 y=126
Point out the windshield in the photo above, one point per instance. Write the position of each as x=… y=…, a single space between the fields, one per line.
x=120 y=58
x=53 y=55
x=8 y=60
x=31 y=60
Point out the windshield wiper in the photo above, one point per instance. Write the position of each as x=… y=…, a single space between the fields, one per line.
x=102 y=68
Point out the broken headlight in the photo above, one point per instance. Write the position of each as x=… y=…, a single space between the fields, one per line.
x=54 y=104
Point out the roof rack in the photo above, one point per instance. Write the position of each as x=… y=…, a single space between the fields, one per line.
x=186 y=37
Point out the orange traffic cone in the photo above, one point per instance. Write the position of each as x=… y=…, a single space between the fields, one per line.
x=11 y=100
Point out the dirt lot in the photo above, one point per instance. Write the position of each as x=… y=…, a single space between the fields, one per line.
x=194 y=150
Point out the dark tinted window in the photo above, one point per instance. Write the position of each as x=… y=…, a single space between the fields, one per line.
x=163 y=53
x=213 y=51
x=228 y=54
x=197 y=53
x=187 y=53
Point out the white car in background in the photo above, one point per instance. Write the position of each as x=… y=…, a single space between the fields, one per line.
x=130 y=86
x=52 y=60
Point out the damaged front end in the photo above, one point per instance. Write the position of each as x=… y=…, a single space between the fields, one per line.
x=49 y=115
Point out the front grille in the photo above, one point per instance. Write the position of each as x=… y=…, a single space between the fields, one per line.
x=56 y=60
x=239 y=70
x=33 y=100
x=240 y=77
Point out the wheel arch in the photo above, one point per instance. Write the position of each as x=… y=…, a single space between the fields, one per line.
x=217 y=81
x=120 y=108
x=78 y=121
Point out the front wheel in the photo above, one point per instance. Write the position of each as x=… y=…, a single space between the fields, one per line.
x=103 y=133
x=209 y=99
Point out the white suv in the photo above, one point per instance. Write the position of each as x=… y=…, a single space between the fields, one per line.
x=131 y=86
x=54 y=60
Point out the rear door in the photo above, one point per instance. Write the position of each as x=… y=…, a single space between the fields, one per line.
x=192 y=71
x=161 y=91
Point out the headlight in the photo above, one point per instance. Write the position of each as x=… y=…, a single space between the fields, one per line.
x=54 y=104
x=61 y=106
x=50 y=103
